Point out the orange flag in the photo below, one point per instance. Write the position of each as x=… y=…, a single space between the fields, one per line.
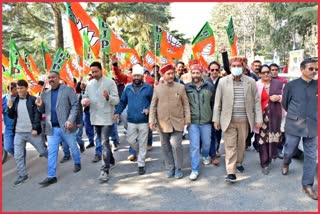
x=76 y=35
x=85 y=23
x=111 y=43
x=166 y=44
x=47 y=61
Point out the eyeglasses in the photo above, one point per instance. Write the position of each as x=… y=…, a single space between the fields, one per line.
x=312 y=69
x=266 y=72
x=215 y=69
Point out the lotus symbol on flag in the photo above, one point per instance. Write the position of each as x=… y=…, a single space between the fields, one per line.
x=134 y=60
x=150 y=60
x=173 y=41
x=206 y=50
x=163 y=60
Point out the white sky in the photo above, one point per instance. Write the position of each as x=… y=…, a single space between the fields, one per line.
x=190 y=16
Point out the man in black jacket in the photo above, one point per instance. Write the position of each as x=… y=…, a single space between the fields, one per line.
x=300 y=100
x=27 y=128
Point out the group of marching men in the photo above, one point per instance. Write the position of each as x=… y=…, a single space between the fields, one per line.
x=240 y=103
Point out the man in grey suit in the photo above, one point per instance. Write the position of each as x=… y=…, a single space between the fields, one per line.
x=300 y=100
x=60 y=105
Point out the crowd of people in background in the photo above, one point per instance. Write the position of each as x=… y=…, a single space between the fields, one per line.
x=240 y=104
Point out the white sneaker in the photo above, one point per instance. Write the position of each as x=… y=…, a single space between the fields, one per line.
x=206 y=160
x=194 y=175
x=104 y=177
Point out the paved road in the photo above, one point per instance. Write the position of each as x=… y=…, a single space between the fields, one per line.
x=127 y=191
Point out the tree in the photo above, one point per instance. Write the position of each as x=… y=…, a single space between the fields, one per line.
x=29 y=24
x=250 y=23
x=293 y=28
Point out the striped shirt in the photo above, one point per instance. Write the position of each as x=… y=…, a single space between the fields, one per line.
x=239 y=107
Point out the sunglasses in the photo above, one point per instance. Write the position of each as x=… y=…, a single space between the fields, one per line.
x=312 y=69
x=215 y=69
x=266 y=72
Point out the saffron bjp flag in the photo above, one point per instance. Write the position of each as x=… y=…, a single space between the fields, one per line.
x=88 y=56
x=75 y=32
x=6 y=78
x=15 y=68
x=58 y=61
x=47 y=61
x=65 y=72
x=111 y=43
x=60 y=65
x=167 y=45
x=149 y=59
x=204 y=43
x=232 y=38
x=5 y=66
x=29 y=61
x=85 y=24
x=19 y=70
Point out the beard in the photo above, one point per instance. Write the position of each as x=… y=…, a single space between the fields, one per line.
x=137 y=81
x=196 y=79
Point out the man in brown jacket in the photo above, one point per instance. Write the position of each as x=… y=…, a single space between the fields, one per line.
x=237 y=110
x=170 y=111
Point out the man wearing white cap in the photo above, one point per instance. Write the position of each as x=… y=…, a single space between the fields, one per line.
x=137 y=96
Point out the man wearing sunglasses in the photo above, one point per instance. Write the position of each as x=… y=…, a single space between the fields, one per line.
x=300 y=100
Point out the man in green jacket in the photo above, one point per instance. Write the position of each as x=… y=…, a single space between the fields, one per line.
x=201 y=98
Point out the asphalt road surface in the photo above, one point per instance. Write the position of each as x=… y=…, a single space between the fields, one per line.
x=127 y=191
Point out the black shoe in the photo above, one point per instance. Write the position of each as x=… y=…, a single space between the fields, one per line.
x=96 y=158
x=77 y=168
x=48 y=181
x=90 y=145
x=20 y=180
x=82 y=148
x=115 y=146
x=240 y=169
x=141 y=170
x=65 y=159
x=231 y=178
x=280 y=155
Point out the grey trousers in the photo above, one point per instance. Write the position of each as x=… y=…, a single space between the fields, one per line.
x=20 y=140
x=310 y=147
x=171 y=145
x=137 y=137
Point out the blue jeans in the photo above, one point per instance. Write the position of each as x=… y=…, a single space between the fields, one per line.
x=212 y=151
x=197 y=132
x=88 y=126
x=103 y=133
x=8 y=140
x=149 y=143
x=310 y=150
x=115 y=136
x=58 y=135
x=66 y=147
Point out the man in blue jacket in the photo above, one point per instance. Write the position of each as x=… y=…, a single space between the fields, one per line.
x=8 y=137
x=137 y=96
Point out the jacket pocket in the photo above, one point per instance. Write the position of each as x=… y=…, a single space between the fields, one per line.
x=292 y=117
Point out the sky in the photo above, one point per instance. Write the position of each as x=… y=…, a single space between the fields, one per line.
x=190 y=17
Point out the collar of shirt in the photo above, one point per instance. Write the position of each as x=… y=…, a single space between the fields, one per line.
x=241 y=78
x=56 y=89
